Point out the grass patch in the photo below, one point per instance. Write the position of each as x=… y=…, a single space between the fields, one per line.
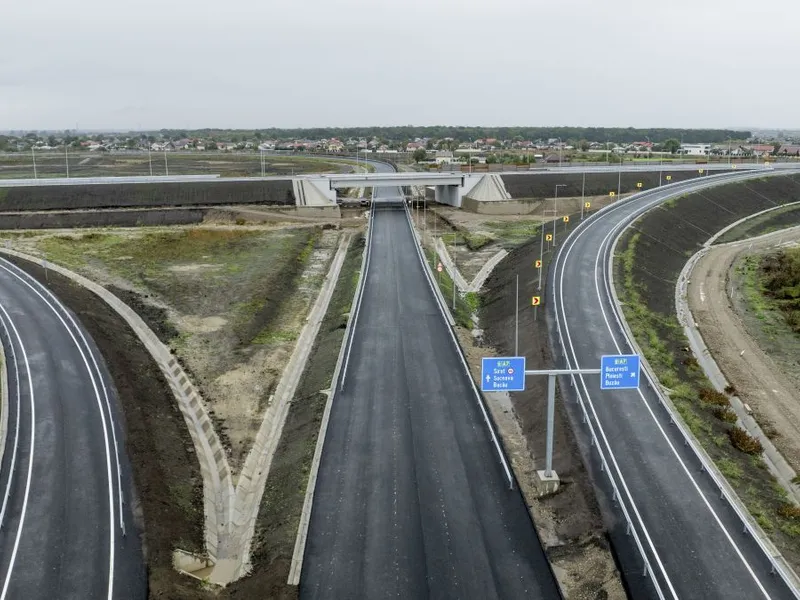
x=706 y=412
x=464 y=303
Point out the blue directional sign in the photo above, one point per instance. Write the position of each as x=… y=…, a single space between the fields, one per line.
x=619 y=372
x=503 y=374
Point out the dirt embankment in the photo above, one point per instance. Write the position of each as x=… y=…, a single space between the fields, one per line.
x=750 y=340
x=166 y=472
x=650 y=256
x=543 y=186
x=575 y=539
x=199 y=193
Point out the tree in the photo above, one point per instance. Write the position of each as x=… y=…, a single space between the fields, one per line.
x=52 y=141
x=419 y=154
x=491 y=159
x=672 y=145
x=775 y=147
x=584 y=145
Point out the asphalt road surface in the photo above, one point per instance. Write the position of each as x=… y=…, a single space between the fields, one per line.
x=62 y=517
x=692 y=539
x=411 y=500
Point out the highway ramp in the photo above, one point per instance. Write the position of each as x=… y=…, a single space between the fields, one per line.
x=411 y=500
x=692 y=539
x=66 y=533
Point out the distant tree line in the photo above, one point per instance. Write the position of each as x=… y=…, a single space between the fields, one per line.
x=465 y=134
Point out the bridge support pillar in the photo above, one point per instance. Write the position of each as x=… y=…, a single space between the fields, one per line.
x=448 y=194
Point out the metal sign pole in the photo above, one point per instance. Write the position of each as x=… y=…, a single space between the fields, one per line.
x=551 y=404
x=516 y=321
x=551 y=407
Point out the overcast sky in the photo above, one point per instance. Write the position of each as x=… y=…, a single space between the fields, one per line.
x=301 y=63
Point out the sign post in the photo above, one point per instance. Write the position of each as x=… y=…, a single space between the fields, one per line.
x=507 y=374
x=504 y=374
x=619 y=372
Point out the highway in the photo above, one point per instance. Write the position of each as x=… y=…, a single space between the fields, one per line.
x=692 y=541
x=411 y=498
x=66 y=528
x=212 y=178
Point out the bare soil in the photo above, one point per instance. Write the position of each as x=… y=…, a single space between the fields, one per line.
x=756 y=351
x=655 y=249
x=165 y=469
x=569 y=522
x=229 y=301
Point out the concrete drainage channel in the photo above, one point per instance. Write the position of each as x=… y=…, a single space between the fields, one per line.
x=229 y=514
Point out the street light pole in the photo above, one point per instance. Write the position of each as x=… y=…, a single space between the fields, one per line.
x=555 y=212
x=541 y=250
x=66 y=158
x=516 y=321
x=33 y=154
x=166 y=164
x=583 y=189
x=150 y=159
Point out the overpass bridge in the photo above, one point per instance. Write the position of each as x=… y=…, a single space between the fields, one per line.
x=449 y=188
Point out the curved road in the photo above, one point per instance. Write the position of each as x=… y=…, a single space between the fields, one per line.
x=66 y=528
x=411 y=500
x=692 y=540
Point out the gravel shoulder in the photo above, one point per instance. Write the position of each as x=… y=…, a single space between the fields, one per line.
x=745 y=346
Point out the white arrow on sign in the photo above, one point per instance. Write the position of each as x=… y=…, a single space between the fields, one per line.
x=488 y=378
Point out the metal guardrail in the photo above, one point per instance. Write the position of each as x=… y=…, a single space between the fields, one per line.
x=778 y=564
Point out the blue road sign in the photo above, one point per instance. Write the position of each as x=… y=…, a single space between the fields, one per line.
x=503 y=374
x=619 y=372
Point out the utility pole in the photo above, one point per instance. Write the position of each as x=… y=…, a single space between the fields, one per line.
x=555 y=212
x=150 y=159
x=166 y=164
x=516 y=321
x=33 y=154
x=66 y=158
x=583 y=190
x=619 y=178
x=541 y=252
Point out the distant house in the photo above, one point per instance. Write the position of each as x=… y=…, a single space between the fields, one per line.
x=695 y=149
x=556 y=158
x=443 y=157
x=762 y=149
x=789 y=150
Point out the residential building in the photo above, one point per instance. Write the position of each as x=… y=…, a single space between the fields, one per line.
x=695 y=149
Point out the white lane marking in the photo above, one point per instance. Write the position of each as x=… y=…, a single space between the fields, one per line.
x=30 y=458
x=702 y=291
x=425 y=269
x=624 y=485
x=99 y=376
x=605 y=243
x=112 y=549
x=12 y=466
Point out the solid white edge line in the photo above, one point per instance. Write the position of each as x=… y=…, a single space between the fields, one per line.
x=478 y=397
x=12 y=466
x=362 y=285
x=610 y=453
x=30 y=458
x=604 y=244
x=112 y=549
x=100 y=377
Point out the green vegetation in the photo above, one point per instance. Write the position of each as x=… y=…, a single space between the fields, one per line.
x=513 y=233
x=780 y=282
x=705 y=411
x=473 y=241
x=464 y=303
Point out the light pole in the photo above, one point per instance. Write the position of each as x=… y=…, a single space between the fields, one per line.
x=66 y=158
x=150 y=159
x=166 y=164
x=555 y=211
x=541 y=251
x=33 y=154
x=583 y=190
